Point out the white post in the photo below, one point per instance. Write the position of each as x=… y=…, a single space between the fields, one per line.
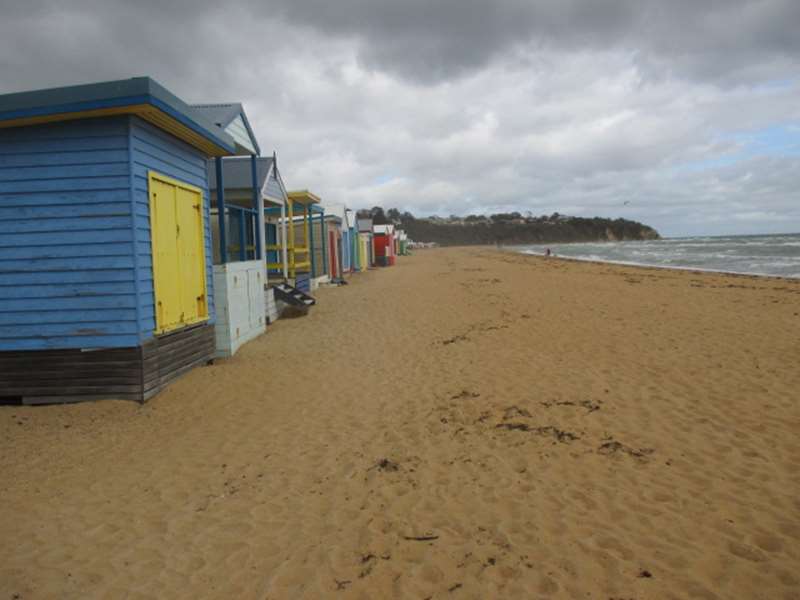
x=283 y=242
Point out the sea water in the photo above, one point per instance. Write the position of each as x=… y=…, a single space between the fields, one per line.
x=777 y=255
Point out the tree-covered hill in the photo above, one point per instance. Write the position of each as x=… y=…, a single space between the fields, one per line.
x=511 y=228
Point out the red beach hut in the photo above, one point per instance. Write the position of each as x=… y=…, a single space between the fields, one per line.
x=384 y=245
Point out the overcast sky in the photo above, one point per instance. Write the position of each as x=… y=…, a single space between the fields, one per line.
x=684 y=114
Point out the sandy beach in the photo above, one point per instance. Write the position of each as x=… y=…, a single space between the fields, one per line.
x=468 y=424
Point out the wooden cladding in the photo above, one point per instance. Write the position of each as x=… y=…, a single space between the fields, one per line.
x=138 y=373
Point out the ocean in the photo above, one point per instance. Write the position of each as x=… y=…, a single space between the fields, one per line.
x=776 y=255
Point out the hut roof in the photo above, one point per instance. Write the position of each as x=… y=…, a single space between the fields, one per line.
x=304 y=197
x=237 y=175
x=236 y=172
x=365 y=225
x=337 y=210
x=139 y=96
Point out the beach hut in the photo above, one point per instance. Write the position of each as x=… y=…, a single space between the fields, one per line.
x=242 y=231
x=311 y=229
x=347 y=243
x=352 y=231
x=335 y=240
x=384 y=241
x=298 y=241
x=106 y=274
x=402 y=248
x=366 y=248
x=320 y=264
x=237 y=232
x=275 y=226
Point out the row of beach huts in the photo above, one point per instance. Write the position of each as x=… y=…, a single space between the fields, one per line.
x=141 y=237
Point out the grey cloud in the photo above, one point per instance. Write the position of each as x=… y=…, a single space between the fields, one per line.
x=434 y=41
x=464 y=106
x=728 y=41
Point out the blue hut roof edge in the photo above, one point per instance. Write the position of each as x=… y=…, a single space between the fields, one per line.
x=71 y=101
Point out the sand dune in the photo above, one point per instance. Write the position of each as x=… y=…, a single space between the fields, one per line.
x=468 y=424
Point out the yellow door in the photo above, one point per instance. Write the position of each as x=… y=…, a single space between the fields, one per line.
x=191 y=257
x=176 y=224
x=163 y=227
x=362 y=252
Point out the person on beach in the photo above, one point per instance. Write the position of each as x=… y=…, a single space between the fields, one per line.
x=547 y=252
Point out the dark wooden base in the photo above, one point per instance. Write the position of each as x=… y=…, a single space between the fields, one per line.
x=139 y=373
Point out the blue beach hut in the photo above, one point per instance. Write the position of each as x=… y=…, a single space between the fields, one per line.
x=346 y=251
x=352 y=228
x=106 y=271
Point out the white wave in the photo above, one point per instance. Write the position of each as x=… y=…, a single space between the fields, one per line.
x=750 y=255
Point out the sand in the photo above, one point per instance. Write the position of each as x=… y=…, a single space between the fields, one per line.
x=468 y=424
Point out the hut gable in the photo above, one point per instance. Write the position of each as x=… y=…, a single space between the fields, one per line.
x=274 y=188
x=231 y=118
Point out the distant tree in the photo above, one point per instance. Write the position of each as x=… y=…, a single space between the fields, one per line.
x=378 y=216
x=393 y=215
x=499 y=229
x=498 y=217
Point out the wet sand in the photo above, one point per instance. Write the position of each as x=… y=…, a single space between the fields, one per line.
x=468 y=424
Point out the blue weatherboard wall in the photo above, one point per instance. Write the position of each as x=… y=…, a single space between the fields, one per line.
x=354 y=247
x=74 y=270
x=346 y=247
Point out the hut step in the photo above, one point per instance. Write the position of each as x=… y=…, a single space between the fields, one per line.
x=291 y=295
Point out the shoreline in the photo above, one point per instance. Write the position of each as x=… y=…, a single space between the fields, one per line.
x=667 y=267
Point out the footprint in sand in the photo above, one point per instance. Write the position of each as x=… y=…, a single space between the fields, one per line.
x=746 y=552
x=770 y=543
